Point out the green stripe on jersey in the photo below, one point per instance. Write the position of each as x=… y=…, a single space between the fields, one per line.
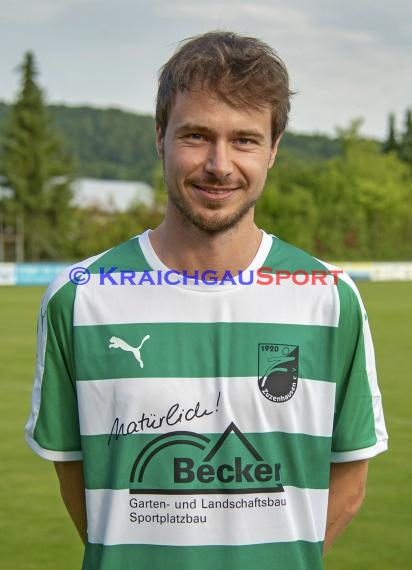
x=127 y=257
x=199 y=350
x=286 y=257
x=299 y=457
x=299 y=555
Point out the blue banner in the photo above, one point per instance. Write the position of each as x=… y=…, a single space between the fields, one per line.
x=37 y=273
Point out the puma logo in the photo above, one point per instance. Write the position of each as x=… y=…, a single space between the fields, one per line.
x=116 y=342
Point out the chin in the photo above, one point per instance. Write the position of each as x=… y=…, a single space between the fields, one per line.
x=212 y=221
x=216 y=224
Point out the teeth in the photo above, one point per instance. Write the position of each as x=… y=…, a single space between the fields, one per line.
x=213 y=191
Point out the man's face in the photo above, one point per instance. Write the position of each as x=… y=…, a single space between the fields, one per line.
x=215 y=160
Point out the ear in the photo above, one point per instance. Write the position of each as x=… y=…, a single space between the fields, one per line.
x=159 y=141
x=273 y=151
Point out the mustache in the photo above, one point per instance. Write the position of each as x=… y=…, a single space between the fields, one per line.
x=216 y=182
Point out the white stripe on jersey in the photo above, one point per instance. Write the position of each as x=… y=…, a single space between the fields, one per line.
x=240 y=401
x=109 y=523
x=98 y=304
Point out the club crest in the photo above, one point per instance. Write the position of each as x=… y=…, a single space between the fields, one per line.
x=278 y=371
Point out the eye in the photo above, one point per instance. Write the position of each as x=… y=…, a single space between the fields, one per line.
x=246 y=141
x=195 y=136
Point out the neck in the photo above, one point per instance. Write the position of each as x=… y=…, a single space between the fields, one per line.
x=182 y=246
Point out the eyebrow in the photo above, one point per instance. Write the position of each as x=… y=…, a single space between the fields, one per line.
x=249 y=133
x=240 y=133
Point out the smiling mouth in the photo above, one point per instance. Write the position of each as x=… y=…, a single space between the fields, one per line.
x=215 y=192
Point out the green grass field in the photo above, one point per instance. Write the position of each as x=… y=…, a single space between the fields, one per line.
x=35 y=532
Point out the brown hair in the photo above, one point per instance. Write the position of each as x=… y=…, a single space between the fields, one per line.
x=243 y=71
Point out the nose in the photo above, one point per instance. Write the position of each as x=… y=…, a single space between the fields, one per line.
x=219 y=161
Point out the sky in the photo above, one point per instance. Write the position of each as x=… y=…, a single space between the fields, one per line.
x=347 y=59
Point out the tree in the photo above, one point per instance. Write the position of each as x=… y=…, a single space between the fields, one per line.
x=37 y=169
x=370 y=202
x=405 y=151
x=286 y=207
x=354 y=206
x=391 y=144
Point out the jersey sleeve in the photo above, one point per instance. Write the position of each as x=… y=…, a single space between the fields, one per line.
x=359 y=430
x=52 y=430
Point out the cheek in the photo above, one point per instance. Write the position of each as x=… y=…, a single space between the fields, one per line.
x=175 y=169
x=256 y=171
x=184 y=162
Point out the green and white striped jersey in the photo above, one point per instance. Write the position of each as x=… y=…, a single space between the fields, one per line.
x=206 y=416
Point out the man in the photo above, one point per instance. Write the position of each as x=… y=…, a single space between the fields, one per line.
x=214 y=421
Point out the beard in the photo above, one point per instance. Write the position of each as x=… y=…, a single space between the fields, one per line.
x=212 y=224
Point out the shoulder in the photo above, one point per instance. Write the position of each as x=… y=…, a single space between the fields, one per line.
x=62 y=291
x=285 y=256
x=329 y=280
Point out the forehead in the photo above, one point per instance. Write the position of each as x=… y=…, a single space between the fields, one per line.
x=201 y=107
